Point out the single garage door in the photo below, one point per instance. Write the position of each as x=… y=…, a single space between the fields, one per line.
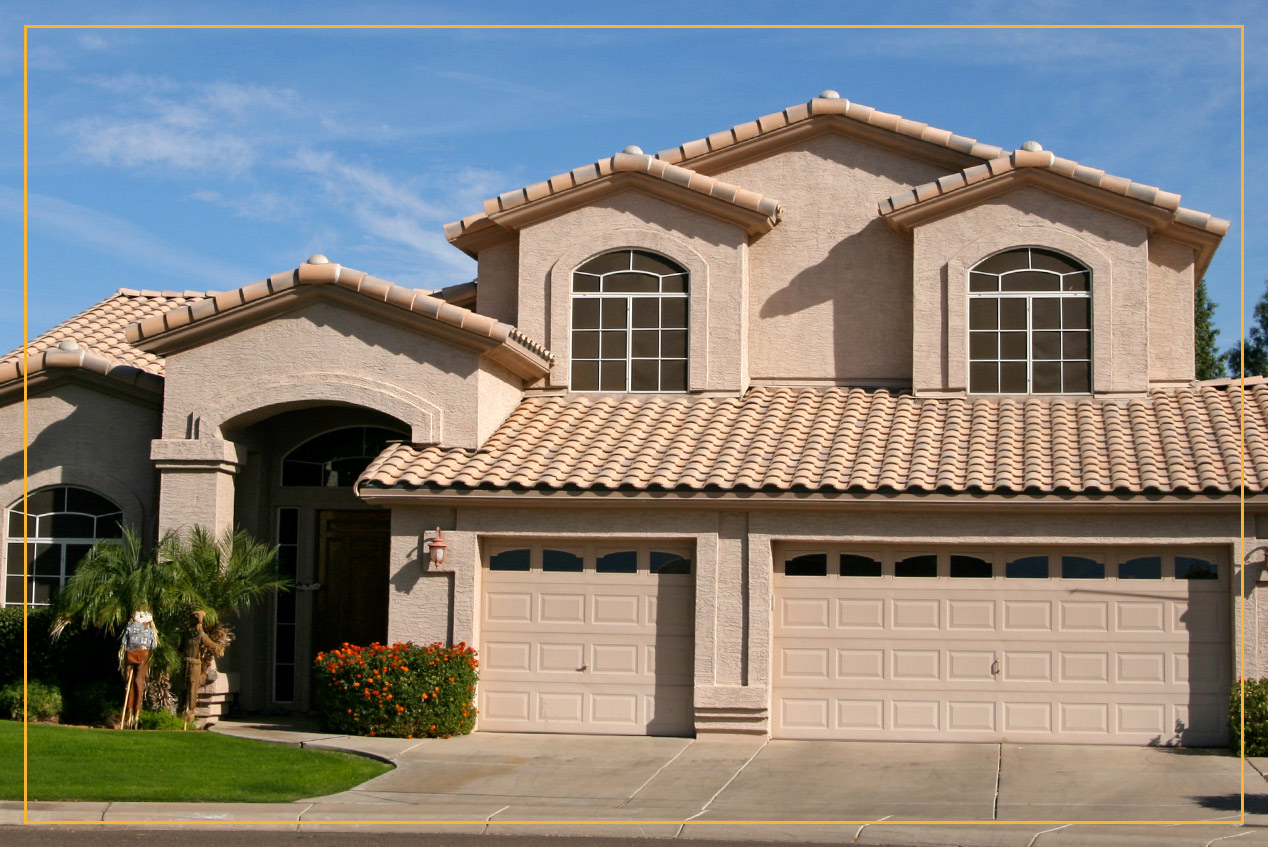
x=584 y=638
x=1028 y=645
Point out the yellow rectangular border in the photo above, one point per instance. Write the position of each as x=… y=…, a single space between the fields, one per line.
x=1241 y=421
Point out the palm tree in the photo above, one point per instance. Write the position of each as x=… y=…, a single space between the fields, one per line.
x=218 y=576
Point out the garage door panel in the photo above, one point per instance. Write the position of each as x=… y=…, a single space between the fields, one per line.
x=587 y=652
x=508 y=607
x=561 y=608
x=1057 y=660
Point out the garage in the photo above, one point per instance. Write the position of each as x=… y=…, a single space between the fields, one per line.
x=587 y=638
x=1099 y=646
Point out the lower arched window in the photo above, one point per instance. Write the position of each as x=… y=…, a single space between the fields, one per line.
x=61 y=525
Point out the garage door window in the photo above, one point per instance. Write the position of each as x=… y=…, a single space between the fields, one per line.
x=1027 y=567
x=510 y=560
x=669 y=563
x=853 y=564
x=1132 y=564
x=561 y=561
x=1081 y=567
x=1190 y=567
x=810 y=564
x=916 y=566
x=1141 y=567
x=658 y=559
x=971 y=567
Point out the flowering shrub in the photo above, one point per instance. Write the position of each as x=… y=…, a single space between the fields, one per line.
x=402 y=691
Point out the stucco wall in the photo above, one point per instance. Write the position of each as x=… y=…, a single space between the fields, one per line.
x=1171 y=284
x=712 y=251
x=497 y=283
x=318 y=354
x=1114 y=248
x=79 y=435
x=830 y=286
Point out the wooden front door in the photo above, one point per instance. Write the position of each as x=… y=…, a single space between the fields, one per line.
x=352 y=567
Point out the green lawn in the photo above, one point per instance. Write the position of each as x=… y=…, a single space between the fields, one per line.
x=70 y=763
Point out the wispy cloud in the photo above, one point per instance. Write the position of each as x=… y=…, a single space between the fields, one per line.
x=112 y=236
x=208 y=126
x=396 y=212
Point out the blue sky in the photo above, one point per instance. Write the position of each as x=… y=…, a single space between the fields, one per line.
x=207 y=159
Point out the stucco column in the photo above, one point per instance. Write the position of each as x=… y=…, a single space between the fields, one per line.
x=196 y=482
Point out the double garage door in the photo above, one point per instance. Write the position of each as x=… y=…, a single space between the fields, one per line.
x=590 y=639
x=1086 y=646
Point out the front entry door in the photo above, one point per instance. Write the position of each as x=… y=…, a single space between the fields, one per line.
x=352 y=567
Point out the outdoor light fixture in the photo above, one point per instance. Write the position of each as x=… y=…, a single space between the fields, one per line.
x=438 y=547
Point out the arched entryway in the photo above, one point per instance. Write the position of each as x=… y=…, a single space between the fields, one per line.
x=295 y=490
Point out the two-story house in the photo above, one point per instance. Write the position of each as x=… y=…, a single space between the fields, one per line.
x=829 y=425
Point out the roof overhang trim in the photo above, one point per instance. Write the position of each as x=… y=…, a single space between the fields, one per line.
x=1156 y=219
x=191 y=326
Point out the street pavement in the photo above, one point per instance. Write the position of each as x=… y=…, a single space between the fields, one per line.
x=740 y=788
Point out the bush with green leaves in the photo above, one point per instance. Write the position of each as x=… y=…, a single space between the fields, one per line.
x=71 y=661
x=161 y=720
x=1256 y=717
x=403 y=691
x=96 y=703
x=43 y=701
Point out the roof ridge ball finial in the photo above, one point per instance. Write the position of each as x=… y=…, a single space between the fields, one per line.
x=634 y=149
x=68 y=344
x=1032 y=147
x=317 y=259
x=829 y=94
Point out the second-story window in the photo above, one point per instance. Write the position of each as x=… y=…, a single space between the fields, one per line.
x=629 y=323
x=1030 y=324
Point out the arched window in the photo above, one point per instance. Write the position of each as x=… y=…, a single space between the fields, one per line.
x=62 y=524
x=629 y=324
x=336 y=458
x=1030 y=324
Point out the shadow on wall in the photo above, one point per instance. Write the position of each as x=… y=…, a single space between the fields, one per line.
x=857 y=276
x=62 y=443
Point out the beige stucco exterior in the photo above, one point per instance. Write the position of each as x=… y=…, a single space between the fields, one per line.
x=828 y=291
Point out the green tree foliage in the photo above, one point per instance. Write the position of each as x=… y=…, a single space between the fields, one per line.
x=1208 y=361
x=220 y=576
x=1256 y=343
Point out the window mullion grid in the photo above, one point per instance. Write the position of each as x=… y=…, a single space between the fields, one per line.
x=1030 y=342
x=629 y=339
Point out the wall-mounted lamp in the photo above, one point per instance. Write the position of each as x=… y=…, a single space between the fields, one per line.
x=437 y=549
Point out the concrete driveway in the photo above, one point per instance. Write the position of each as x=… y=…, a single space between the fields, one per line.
x=718 y=787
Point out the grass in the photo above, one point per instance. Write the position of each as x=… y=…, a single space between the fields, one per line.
x=75 y=764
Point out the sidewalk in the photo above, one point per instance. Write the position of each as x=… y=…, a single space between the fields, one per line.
x=715 y=787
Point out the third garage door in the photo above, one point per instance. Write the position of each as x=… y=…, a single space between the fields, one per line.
x=1055 y=645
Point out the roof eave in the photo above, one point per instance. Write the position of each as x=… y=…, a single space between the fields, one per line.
x=754 y=223
x=502 y=344
x=120 y=380
x=924 y=211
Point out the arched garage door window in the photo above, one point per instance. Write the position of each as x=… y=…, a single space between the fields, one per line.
x=62 y=524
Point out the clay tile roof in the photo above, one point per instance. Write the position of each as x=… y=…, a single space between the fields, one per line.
x=821 y=107
x=420 y=303
x=99 y=334
x=850 y=440
x=620 y=163
x=1045 y=160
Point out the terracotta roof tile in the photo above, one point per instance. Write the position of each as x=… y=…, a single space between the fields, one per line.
x=98 y=331
x=620 y=163
x=785 y=439
x=1064 y=167
x=330 y=273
